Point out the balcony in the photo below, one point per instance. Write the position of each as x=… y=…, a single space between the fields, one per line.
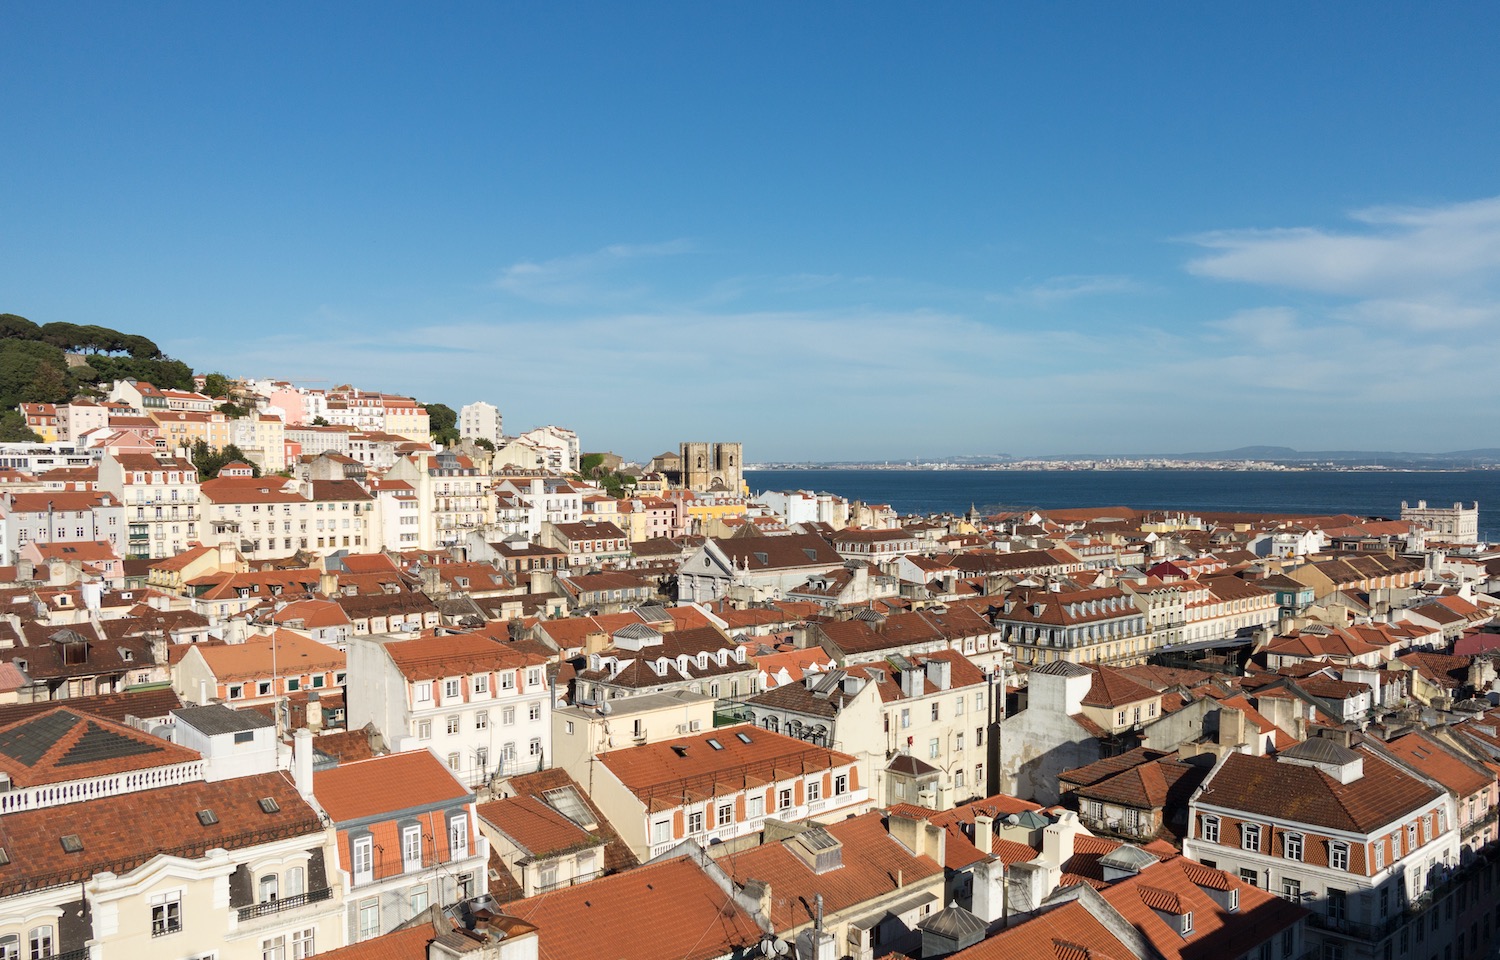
x=272 y=907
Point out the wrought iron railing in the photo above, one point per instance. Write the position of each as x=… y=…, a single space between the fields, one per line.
x=284 y=903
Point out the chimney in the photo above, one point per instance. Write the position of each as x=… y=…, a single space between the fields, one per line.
x=302 y=762
x=314 y=713
x=939 y=673
x=984 y=833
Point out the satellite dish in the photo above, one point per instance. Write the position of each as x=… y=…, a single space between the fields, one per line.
x=605 y=709
x=768 y=948
x=782 y=947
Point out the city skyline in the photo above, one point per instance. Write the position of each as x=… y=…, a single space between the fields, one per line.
x=830 y=233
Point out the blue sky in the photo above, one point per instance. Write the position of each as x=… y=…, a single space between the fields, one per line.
x=831 y=231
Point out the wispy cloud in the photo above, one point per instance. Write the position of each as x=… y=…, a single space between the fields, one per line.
x=586 y=278
x=1071 y=287
x=1396 y=251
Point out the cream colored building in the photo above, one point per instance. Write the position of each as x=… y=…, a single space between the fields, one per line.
x=160 y=496
x=239 y=869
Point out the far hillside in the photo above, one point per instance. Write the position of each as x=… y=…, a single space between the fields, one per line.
x=35 y=366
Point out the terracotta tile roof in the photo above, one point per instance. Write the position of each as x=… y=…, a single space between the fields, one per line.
x=1265 y=786
x=1178 y=886
x=872 y=858
x=691 y=764
x=121 y=832
x=1069 y=932
x=409 y=944
x=64 y=744
x=145 y=704
x=1112 y=688
x=535 y=827
x=778 y=553
x=292 y=654
x=352 y=791
x=617 y=854
x=1437 y=761
x=432 y=658
x=626 y=911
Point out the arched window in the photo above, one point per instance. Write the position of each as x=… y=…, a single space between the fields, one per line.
x=296 y=882
x=268 y=887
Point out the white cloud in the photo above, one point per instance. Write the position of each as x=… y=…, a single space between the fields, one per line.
x=1071 y=287
x=1403 y=250
x=585 y=278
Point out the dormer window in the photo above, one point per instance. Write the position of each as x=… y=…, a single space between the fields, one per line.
x=1234 y=899
x=1250 y=836
x=1338 y=855
x=1187 y=923
x=1293 y=843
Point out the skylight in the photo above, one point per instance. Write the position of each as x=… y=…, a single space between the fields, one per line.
x=207 y=817
x=269 y=805
x=72 y=843
x=715 y=744
x=743 y=737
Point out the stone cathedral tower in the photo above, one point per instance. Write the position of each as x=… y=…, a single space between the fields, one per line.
x=712 y=466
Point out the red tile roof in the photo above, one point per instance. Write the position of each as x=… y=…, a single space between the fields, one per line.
x=122 y=832
x=670 y=909
x=691 y=764
x=872 y=859
x=387 y=784
x=63 y=744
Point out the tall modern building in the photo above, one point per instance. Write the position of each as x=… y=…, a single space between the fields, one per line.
x=480 y=420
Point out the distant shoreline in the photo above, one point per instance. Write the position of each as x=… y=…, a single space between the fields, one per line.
x=1105 y=467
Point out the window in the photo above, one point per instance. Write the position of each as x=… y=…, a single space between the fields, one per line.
x=508 y=716
x=755 y=807
x=267 y=888
x=411 y=847
x=1338 y=904
x=905 y=719
x=1120 y=719
x=934 y=711
x=533 y=676
x=452 y=761
x=1211 y=829
x=10 y=948
x=369 y=918
x=958 y=706
x=40 y=941
x=534 y=710
x=424 y=692
x=273 y=949
x=726 y=814
x=417 y=898
x=1291 y=889
x=451 y=689
x=236 y=691
x=1338 y=855
x=1250 y=836
x=482 y=720
x=958 y=743
x=534 y=749
x=481 y=683
x=303 y=944
x=166 y=913
x=364 y=859
x=661 y=831
x=296 y=882
x=814 y=790
x=1187 y=923
x=465 y=886
x=1293 y=846
x=1380 y=854
x=424 y=729
x=453 y=724
x=840 y=784
x=458 y=836
x=1249 y=876
x=784 y=798
x=695 y=822
x=932 y=747
x=508 y=680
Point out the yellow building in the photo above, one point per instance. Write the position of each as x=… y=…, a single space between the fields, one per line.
x=183 y=428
